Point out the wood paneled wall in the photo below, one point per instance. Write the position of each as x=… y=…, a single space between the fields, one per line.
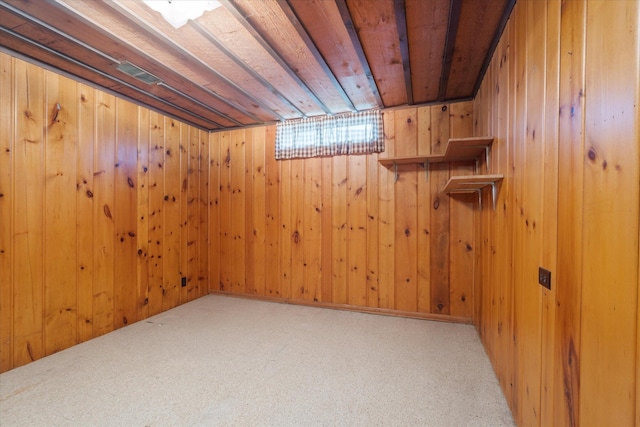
x=102 y=210
x=562 y=96
x=339 y=231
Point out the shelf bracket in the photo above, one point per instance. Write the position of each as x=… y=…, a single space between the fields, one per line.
x=486 y=157
x=494 y=195
x=395 y=173
x=426 y=171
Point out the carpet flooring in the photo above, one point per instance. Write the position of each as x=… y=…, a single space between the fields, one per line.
x=222 y=361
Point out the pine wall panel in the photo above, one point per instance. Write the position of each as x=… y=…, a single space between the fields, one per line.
x=340 y=231
x=562 y=97
x=103 y=209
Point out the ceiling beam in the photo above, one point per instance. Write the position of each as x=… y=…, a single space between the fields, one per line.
x=494 y=44
x=452 y=30
x=232 y=7
x=66 y=58
x=135 y=51
x=355 y=41
x=180 y=51
x=214 y=41
x=401 y=22
x=304 y=35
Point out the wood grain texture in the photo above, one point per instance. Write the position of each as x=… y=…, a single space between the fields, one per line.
x=341 y=231
x=7 y=138
x=125 y=211
x=61 y=143
x=155 y=211
x=568 y=353
x=611 y=167
x=82 y=238
x=28 y=215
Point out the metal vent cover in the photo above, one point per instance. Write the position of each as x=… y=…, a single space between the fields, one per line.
x=138 y=73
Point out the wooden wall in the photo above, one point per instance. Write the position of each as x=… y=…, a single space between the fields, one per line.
x=562 y=96
x=338 y=231
x=102 y=210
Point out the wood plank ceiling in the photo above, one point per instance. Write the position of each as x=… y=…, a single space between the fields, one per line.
x=258 y=61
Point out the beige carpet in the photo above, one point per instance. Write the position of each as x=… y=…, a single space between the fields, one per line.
x=229 y=361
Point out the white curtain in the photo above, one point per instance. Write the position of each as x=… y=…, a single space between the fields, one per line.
x=353 y=133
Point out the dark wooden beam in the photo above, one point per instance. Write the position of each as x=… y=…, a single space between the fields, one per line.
x=214 y=41
x=232 y=7
x=355 y=41
x=494 y=43
x=401 y=22
x=449 y=45
x=67 y=59
x=304 y=35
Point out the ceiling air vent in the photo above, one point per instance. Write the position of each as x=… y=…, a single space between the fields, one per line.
x=138 y=73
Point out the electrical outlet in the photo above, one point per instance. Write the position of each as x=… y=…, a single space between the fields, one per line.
x=184 y=282
x=544 y=277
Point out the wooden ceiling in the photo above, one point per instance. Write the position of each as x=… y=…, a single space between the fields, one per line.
x=258 y=61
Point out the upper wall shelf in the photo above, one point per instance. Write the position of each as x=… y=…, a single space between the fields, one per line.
x=457 y=150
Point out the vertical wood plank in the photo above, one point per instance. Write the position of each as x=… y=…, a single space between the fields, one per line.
x=193 y=244
x=171 y=216
x=372 y=238
x=142 y=226
x=570 y=215
x=226 y=259
x=61 y=136
x=461 y=120
x=499 y=256
x=611 y=168
x=423 y=228
x=272 y=213
x=406 y=214
x=327 y=230
x=7 y=138
x=104 y=226
x=28 y=217
x=439 y=205
x=550 y=208
x=216 y=167
x=519 y=248
x=183 y=201
x=238 y=202
x=257 y=142
x=156 y=215
x=287 y=227
x=439 y=128
x=339 y=244
x=125 y=213
x=312 y=217
x=357 y=231
x=249 y=244
x=386 y=223
x=461 y=246
x=203 y=203
x=298 y=233
x=530 y=163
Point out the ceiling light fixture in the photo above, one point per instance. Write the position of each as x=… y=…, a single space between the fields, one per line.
x=179 y=12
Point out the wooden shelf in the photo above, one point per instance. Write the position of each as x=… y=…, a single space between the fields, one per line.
x=473 y=184
x=461 y=149
x=410 y=160
x=457 y=150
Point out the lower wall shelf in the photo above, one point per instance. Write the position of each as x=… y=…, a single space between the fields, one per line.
x=474 y=184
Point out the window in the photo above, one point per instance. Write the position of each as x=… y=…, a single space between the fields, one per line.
x=355 y=133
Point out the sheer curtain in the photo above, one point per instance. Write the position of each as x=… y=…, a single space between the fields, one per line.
x=353 y=133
